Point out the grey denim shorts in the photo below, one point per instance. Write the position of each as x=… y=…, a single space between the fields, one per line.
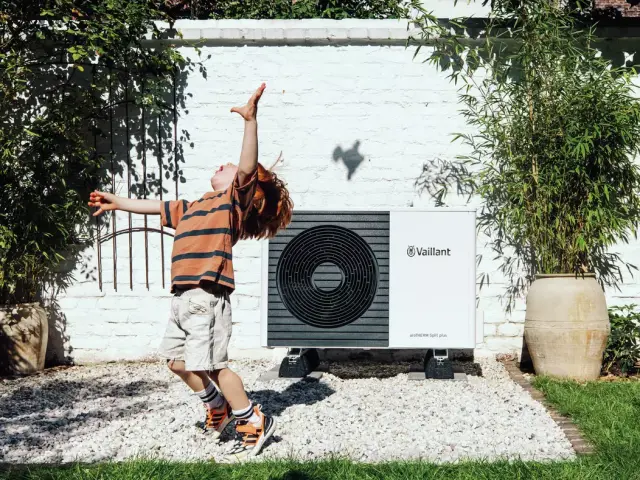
x=199 y=330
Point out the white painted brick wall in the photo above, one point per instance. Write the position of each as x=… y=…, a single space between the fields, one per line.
x=320 y=98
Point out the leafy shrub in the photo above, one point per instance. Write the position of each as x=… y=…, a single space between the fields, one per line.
x=553 y=130
x=623 y=347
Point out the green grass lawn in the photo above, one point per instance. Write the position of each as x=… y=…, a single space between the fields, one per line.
x=608 y=413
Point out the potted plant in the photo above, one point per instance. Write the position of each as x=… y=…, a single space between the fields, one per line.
x=32 y=268
x=24 y=329
x=555 y=127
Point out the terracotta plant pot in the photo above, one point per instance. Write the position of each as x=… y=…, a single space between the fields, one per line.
x=567 y=326
x=24 y=333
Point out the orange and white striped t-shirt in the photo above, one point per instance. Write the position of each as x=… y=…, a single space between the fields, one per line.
x=206 y=231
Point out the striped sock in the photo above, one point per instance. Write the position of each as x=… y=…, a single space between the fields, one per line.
x=247 y=414
x=211 y=397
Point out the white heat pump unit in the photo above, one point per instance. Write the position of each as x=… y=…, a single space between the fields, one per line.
x=371 y=279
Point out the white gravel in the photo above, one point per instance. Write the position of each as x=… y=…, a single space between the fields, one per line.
x=120 y=411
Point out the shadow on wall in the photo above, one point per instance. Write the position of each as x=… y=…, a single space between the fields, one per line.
x=142 y=150
x=351 y=158
x=59 y=352
x=139 y=151
x=624 y=52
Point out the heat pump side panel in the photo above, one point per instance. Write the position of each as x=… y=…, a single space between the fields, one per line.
x=432 y=291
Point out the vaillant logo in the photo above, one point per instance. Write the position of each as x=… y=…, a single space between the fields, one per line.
x=412 y=251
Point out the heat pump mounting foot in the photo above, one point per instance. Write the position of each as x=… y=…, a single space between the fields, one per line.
x=299 y=363
x=437 y=364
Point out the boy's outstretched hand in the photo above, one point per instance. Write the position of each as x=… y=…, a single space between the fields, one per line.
x=250 y=111
x=103 y=202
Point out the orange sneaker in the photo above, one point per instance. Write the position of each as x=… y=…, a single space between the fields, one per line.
x=253 y=437
x=217 y=420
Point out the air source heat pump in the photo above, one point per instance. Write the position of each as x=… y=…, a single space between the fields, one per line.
x=371 y=279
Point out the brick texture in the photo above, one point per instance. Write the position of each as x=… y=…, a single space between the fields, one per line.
x=625 y=8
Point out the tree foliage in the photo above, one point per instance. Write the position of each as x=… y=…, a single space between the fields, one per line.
x=287 y=9
x=554 y=131
x=65 y=66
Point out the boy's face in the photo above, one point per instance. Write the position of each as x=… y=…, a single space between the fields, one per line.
x=223 y=177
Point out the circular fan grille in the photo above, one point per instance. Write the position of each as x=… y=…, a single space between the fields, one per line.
x=327 y=276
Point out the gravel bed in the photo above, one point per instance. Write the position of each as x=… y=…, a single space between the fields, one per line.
x=124 y=410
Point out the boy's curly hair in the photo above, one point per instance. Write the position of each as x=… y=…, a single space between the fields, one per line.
x=272 y=207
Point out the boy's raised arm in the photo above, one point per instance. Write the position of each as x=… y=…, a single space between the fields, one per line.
x=249 y=154
x=105 y=202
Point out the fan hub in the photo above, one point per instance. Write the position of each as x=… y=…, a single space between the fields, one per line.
x=327 y=277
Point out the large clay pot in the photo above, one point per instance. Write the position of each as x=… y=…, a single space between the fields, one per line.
x=24 y=333
x=566 y=326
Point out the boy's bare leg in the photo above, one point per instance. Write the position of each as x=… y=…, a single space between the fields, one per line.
x=218 y=411
x=227 y=381
x=252 y=425
x=196 y=381
x=232 y=388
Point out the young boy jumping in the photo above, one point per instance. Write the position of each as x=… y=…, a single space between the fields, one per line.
x=248 y=201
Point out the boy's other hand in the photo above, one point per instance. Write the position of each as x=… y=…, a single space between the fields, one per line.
x=104 y=202
x=250 y=111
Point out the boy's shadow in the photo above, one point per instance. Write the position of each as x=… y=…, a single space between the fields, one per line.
x=303 y=392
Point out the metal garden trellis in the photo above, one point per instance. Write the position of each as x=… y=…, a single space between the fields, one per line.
x=130 y=229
